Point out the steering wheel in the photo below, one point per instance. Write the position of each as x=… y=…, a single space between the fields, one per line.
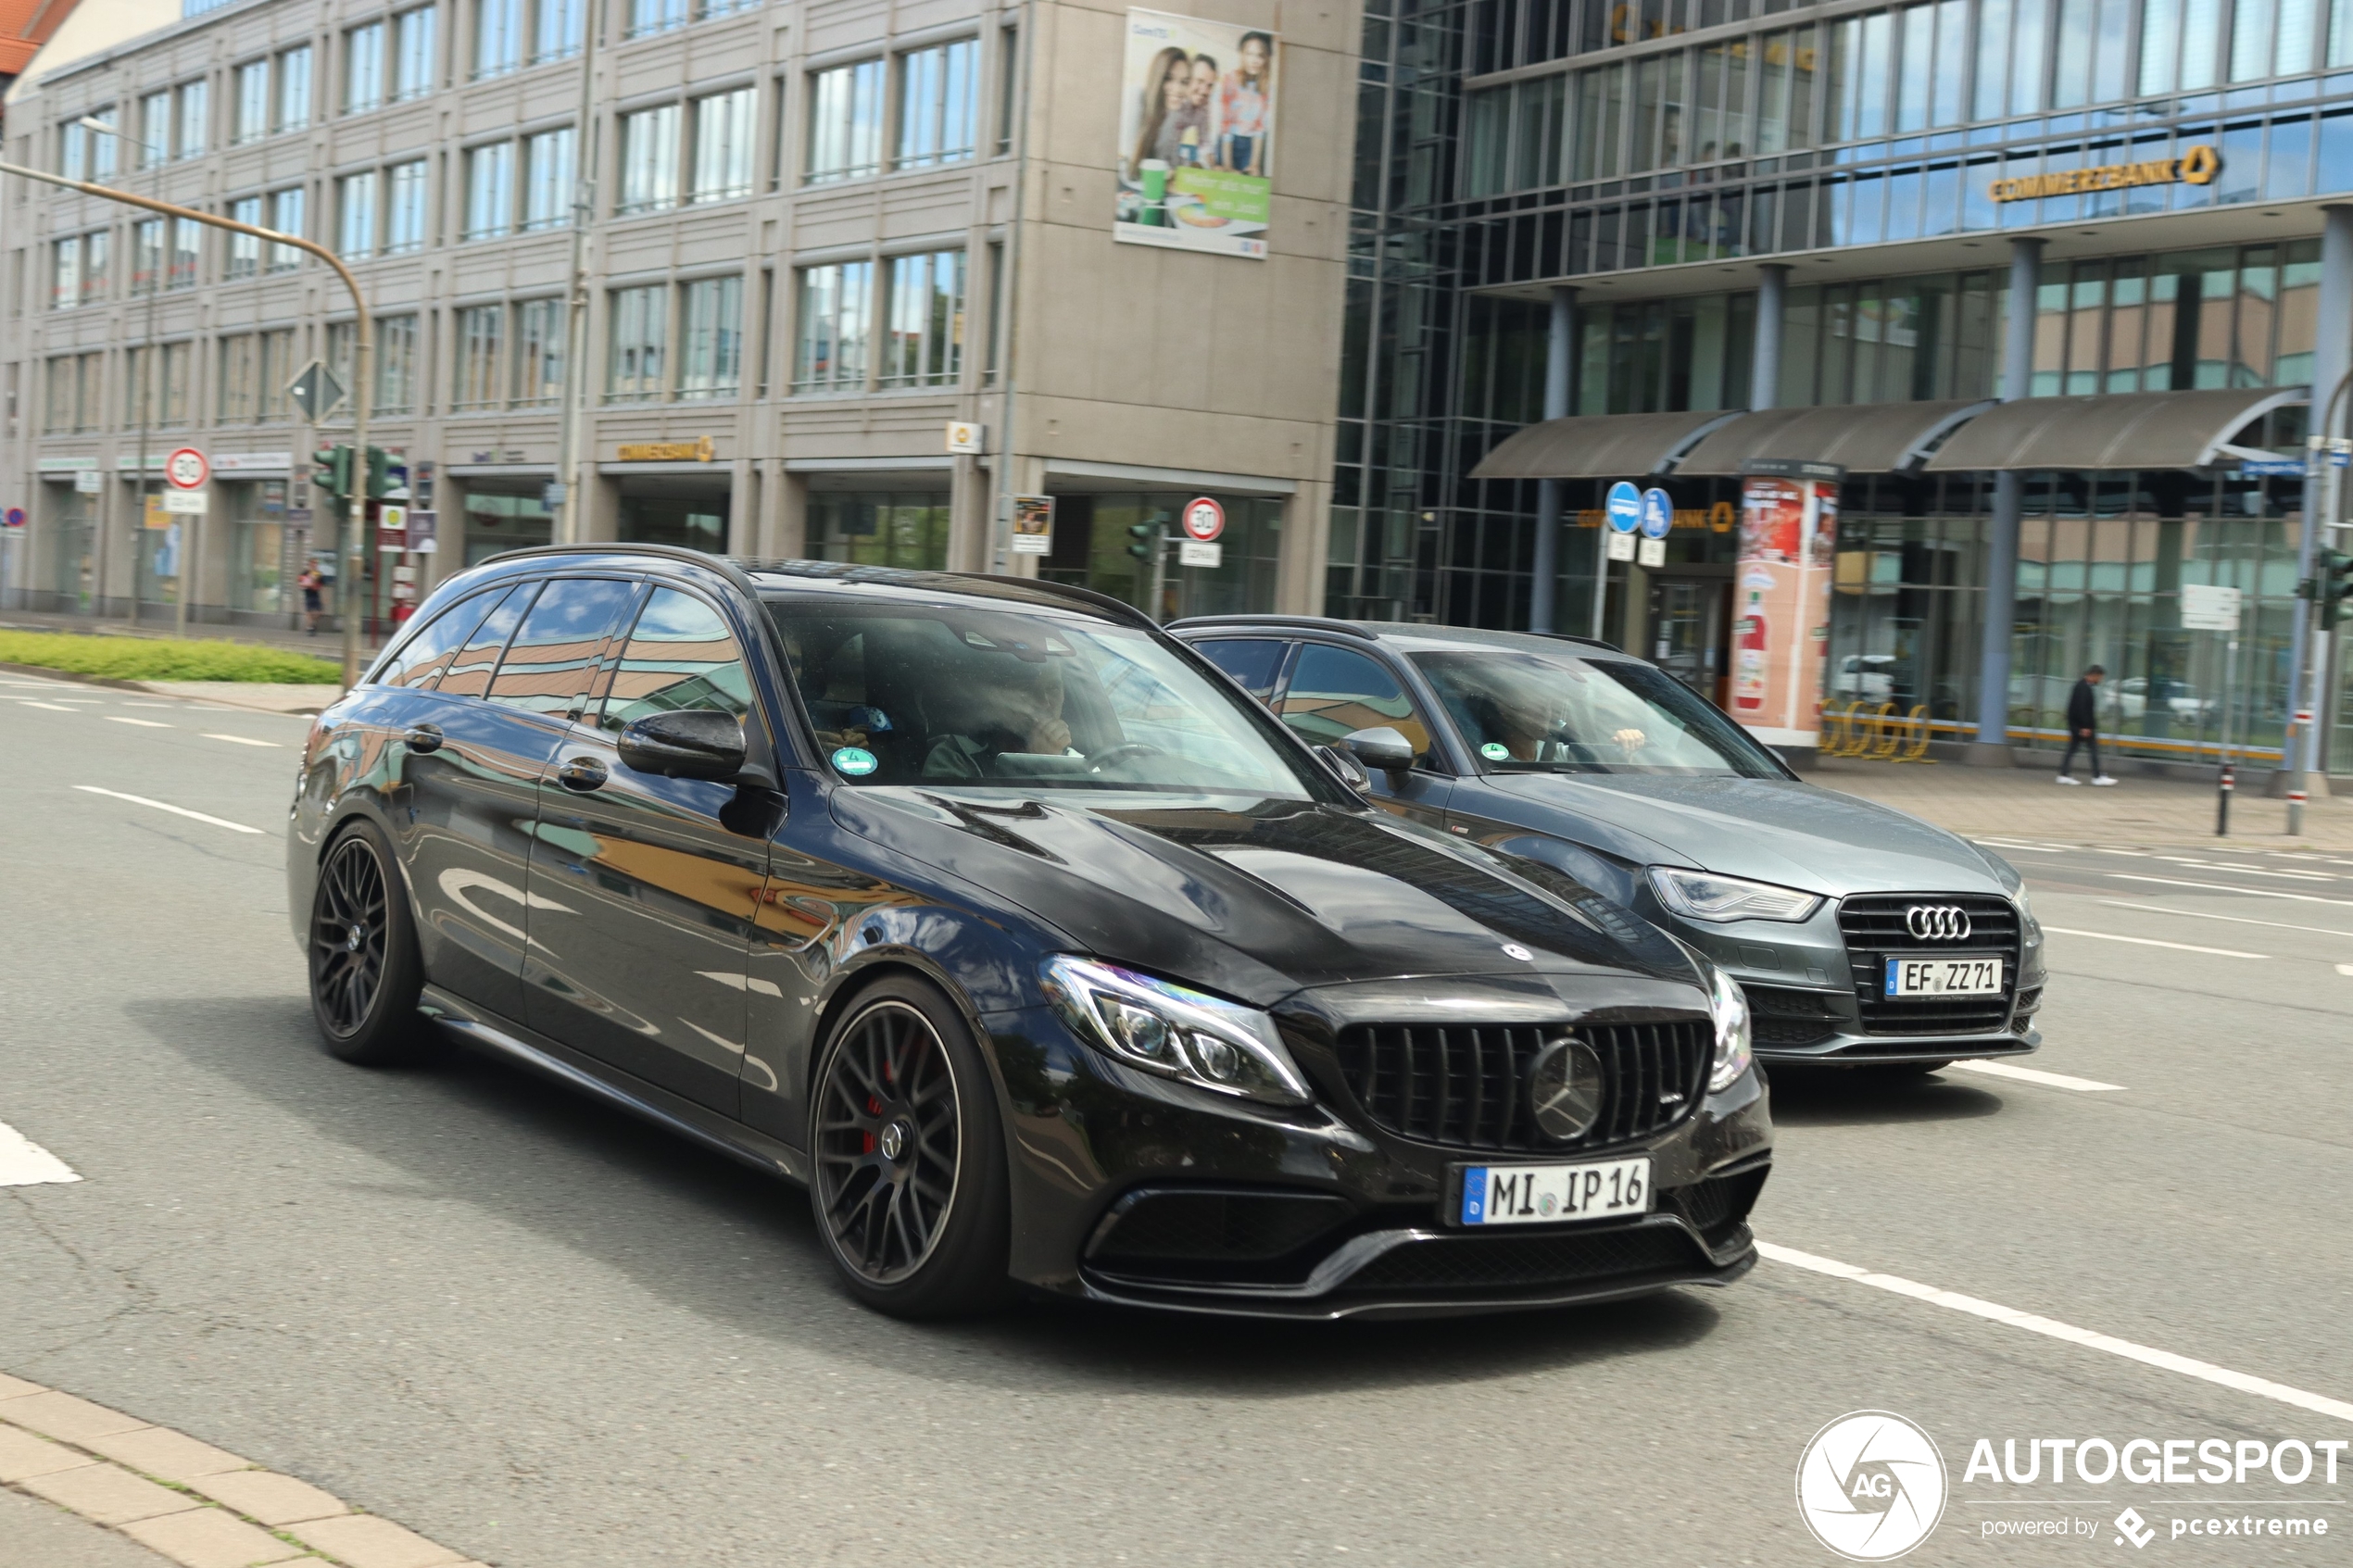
x=1121 y=753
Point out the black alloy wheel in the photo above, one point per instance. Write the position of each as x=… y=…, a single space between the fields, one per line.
x=908 y=1165
x=365 y=975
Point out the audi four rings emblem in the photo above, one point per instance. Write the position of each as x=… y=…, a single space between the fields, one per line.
x=1937 y=922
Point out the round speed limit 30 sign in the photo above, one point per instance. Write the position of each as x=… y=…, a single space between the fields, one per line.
x=186 y=469
x=1204 y=519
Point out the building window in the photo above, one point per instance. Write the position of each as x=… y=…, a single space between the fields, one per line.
x=845 y=121
x=641 y=329
x=649 y=160
x=155 y=129
x=497 y=36
x=556 y=29
x=655 y=15
x=355 y=204
x=412 y=54
x=480 y=330
x=710 y=338
x=95 y=254
x=179 y=361
x=490 y=189
x=193 y=101
x=74 y=391
x=994 y=359
x=406 y=212
x=935 y=122
x=73 y=150
x=277 y=372
x=722 y=147
x=836 y=309
x=294 y=89
x=245 y=250
x=286 y=216
x=240 y=378
x=146 y=256
x=547 y=179
x=138 y=366
x=396 y=365
x=923 y=342
x=541 y=328
x=188 y=251
x=1008 y=86
x=363 y=68
x=866 y=528
x=252 y=111
x=706 y=9
x=65 y=274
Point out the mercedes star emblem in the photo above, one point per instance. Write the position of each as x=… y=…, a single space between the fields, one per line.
x=1564 y=1088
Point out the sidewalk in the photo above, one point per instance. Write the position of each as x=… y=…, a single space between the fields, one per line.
x=2024 y=803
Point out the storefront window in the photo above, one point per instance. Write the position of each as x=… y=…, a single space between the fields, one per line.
x=692 y=522
x=909 y=531
x=504 y=520
x=1092 y=535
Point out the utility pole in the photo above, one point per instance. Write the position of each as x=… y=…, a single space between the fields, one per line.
x=584 y=211
x=92 y=124
x=364 y=353
x=1001 y=521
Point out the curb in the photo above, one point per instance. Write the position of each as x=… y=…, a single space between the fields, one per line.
x=151 y=688
x=184 y=1499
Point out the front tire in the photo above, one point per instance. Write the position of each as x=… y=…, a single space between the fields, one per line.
x=365 y=975
x=908 y=1177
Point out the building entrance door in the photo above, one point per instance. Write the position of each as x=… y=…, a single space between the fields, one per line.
x=1691 y=630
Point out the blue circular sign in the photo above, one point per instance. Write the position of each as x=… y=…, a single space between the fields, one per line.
x=1658 y=513
x=1624 y=507
x=854 y=760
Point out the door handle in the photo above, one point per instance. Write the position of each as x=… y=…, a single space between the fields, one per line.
x=423 y=739
x=581 y=773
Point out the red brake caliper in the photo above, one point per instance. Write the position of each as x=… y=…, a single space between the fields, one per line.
x=874 y=1108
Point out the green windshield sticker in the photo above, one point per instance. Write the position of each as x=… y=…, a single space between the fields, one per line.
x=855 y=761
x=1496 y=751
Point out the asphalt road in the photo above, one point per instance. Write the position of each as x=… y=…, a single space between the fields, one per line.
x=542 y=1333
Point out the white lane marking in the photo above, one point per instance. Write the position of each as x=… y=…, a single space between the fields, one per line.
x=144 y=724
x=24 y=1164
x=2011 y=1317
x=2251 y=871
x=52 y=707
x=2037 y=1076
x=2345 y=969
x=244 y=740
x=2235 y=920
x=2029 y=848
x=162 y=806
x=2132 y=854
x=2226 y=888
x=2153 y=942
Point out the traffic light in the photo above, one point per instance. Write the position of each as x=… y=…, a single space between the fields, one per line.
x=380 y=469
x=2334 y=587
x=1147 y=537
x=332 y=472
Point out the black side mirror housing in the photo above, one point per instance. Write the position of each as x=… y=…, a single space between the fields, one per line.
x=691 y=744
x=1381 y=748
x=1351 y=770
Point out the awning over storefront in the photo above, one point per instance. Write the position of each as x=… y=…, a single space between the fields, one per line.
x=1862 y=438
x=2134 y=430
x=1600 y=445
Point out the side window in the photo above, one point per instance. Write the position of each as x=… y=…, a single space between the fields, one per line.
x=468 y=673
x=1254 y=661
x=1334 y=692
x=425 y=652
x=551 y=666
x=681 y=655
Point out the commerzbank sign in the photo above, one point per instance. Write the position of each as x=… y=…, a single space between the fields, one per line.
x=2196 y=167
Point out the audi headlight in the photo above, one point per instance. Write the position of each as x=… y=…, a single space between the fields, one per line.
x=1704 y=896
x=1730 y=1009
x=2029 y=928
x=1178 y=1032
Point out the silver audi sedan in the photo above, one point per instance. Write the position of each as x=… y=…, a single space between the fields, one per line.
x=1862 y=936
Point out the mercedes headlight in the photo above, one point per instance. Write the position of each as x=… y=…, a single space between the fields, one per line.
x=1705 y=895
x=1730 y=1010
x=1178 y=1032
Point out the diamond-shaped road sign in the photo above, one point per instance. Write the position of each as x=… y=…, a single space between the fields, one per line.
x=316 y=392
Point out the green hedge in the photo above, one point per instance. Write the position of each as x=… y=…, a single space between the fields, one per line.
x=163 y=658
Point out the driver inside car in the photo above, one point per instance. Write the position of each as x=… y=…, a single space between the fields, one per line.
x=1019 y=712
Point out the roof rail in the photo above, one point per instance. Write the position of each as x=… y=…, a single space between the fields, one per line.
x=1573 y=637
x=1306 y=622
x=1119 y=607
x=719 y=564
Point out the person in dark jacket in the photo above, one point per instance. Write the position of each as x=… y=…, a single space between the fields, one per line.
x=2082 y=728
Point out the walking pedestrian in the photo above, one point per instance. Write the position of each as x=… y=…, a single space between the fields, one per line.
x=310 y=582
x=2082 y=728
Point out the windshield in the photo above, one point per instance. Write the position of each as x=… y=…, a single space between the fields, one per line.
x=917 y=693
x=1525 y=711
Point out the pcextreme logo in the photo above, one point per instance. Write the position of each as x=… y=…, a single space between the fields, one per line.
x=1871 y=1486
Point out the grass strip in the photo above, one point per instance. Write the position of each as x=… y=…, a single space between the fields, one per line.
x=163 y=658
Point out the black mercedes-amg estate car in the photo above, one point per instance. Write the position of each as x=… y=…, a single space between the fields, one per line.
x=1018 y=933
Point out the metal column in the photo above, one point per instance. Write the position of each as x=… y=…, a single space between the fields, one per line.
x=1992 y=747
x=1560 y=346
x=1765 y=364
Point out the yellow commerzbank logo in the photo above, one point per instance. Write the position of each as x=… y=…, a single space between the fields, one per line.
x=699 y=450
x=2196 y=167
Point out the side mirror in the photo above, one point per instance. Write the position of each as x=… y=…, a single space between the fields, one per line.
x=1351 y=770
x=1383 y=748
x=692 y=743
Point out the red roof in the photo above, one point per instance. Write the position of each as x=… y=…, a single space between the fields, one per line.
x=25 y=25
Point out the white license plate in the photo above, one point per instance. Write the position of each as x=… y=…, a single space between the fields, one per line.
x=1536 y=1195
x=1944 y=977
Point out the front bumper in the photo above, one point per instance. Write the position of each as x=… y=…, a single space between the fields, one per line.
x=1131 y=1189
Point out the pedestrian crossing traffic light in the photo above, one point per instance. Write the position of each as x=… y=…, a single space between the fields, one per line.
x=1145 y=535
x=332 y=472
x=2333 y=586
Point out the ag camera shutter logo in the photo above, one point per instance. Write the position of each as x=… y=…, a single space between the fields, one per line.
x=1871 y=1486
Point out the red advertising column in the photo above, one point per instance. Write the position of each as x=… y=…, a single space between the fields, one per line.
x=1781 y=608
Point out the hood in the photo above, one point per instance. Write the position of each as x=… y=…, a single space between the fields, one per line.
x=1771 y=830
x=1257 y=900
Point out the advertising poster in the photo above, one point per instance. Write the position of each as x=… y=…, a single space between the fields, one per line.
x=1196 y=152
x=1033 y=525
x=1781 y=612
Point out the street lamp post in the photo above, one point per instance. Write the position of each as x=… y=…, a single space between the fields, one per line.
x=363 y=351
x=583 y=211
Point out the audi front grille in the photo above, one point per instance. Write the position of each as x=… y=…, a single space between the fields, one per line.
x=1466 y=1087
x=1876 y=926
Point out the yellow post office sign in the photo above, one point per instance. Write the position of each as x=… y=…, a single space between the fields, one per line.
x=2196 y=167
x=699 y=450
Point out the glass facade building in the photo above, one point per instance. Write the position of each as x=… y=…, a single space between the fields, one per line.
x=1658 y=158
